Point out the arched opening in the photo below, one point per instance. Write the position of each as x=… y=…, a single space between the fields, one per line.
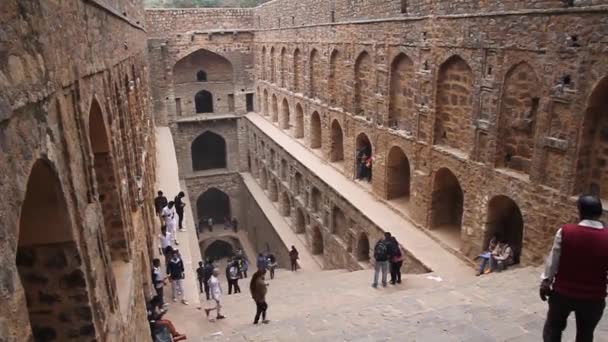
x=219 y=249
x=505 y=222
x=300 y=222
x=284 y=120
x=208 y=152
x=334 y=70
x=297 y=71
x=338 y=222
x=299 y=129
x=315 y=131
x=337 y=144
x=273 y=68
x=109 y=196
x=315 y=197
x=298 y=183
x=273 y=191
x=264 y=179
x=314 y=74
x=283 y=65
x=364 y=86
x=447 y=205
x=592 y=169
x=363 y=160
x=49 y=262
x=401 y=99
x=265 y=105
x=517 y=121
x=317 y=241
x=275 y=109
x=397 y=174
x=363 y=247
x=263 y=58
x=285 y=204
x=454 y=121
x=201 y=76
x=203 y=101
x=214 y=204
x=284 y=170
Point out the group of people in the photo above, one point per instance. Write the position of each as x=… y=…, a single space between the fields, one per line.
x=208 y=222
x=364 y=163
x=389 y=258
x=171 y=214
x=497 y=257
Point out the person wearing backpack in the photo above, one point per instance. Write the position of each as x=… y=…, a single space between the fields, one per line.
x=382 y=255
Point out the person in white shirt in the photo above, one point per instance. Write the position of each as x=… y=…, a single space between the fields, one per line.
x=216 y=294
x=165 y=243
x=170 y=220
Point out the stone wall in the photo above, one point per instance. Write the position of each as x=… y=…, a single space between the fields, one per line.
x=93 y=55
x=465 y=114
x=167 y=22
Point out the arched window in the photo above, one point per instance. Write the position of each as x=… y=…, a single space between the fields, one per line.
x=214 y=204
x=201 y=76
x=208 y=152
x=204 y=102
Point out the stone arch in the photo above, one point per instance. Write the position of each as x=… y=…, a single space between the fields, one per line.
x=362 y=247
x=336 y=153
x=208 y=152
x=317 y=241
x=314 y=74
x=299 y=127
x=397 y=174
x=315 y=131
x=264 y=179
x=201 y=76
x=273 y=69
x=339 y=223
x=284 y=121
x=335 y=68
x=591 y=168
x=203 y=101
x=218 y=249
x=273 y=190
x=263 y=63
x=363 y=152
x=215 y=204
x=265 y=106
x=300 y=221
x=275 y=108
x=316 y=199
x=285 y=204
x=454 y=119
x=517 y=120
x=49 y=262
x=364 y=86
x=284 y=170
x=215 y=67
x=298 y=183
x=401 y=98
x=297 y=71
x=107 y=187
x=447 y=204
x=283 y=66
x=506 y=223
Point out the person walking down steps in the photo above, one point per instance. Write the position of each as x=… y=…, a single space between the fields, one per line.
x=259 y=288
x=216 y=294
x=175 y=270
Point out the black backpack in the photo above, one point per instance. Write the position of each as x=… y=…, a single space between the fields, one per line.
x=381 y=251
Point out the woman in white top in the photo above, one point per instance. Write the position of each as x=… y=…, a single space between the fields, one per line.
x=216 y=294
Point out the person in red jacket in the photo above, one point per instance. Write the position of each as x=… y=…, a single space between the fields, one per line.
x=575 y=274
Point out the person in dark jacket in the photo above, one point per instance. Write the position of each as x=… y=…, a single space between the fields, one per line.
x=262 y=262
x=575 y=274
x=179 y=209
x=396 y=261
x=382 y=255
x=259 y=288
x=200 y=276
x=175 y=270
x=159 y=203
x=294 y=256
x=207 y=273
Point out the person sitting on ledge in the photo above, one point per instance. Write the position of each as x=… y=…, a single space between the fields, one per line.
x=158 y=324
x=485 y=256
x=502 y=256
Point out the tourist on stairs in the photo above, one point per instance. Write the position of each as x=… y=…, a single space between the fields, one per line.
x=158 y=281
x=575 y=274
x=169 y=216
x=233 y=276
x=200 y=276
x=165 y=244
x=382 y=255
x=179 y=209
x=207 y=273
x=272 y=264
x=294 y=256
x=216 y=295
x=396 y=261
x=262 y=262
x=159 y=203
x=486 y=256
x=175 y=270
x=258 y=288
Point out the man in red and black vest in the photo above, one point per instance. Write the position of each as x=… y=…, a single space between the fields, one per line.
x=575 y=274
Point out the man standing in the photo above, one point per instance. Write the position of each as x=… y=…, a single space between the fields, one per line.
x=175 y=270
x=233 y=282
x=159 y=203
x=207 y=273
x=381 y=254
x=262 y=262
x=396 y=261
x=210 y=224
x=169 y=216
x=165 y=243
x=216 y=294
x=158 y=281
x=200 y=276
x=575 y=274
x=293 y=256
x=179 y=209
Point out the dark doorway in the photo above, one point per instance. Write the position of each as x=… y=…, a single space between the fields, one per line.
x=201 y=76
x=363 y=248
x=249 y=102
x=208 y=152
x=219 y=249
x=213 y=203
x=204 y=102
x=363 y=164
x=506 y=223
